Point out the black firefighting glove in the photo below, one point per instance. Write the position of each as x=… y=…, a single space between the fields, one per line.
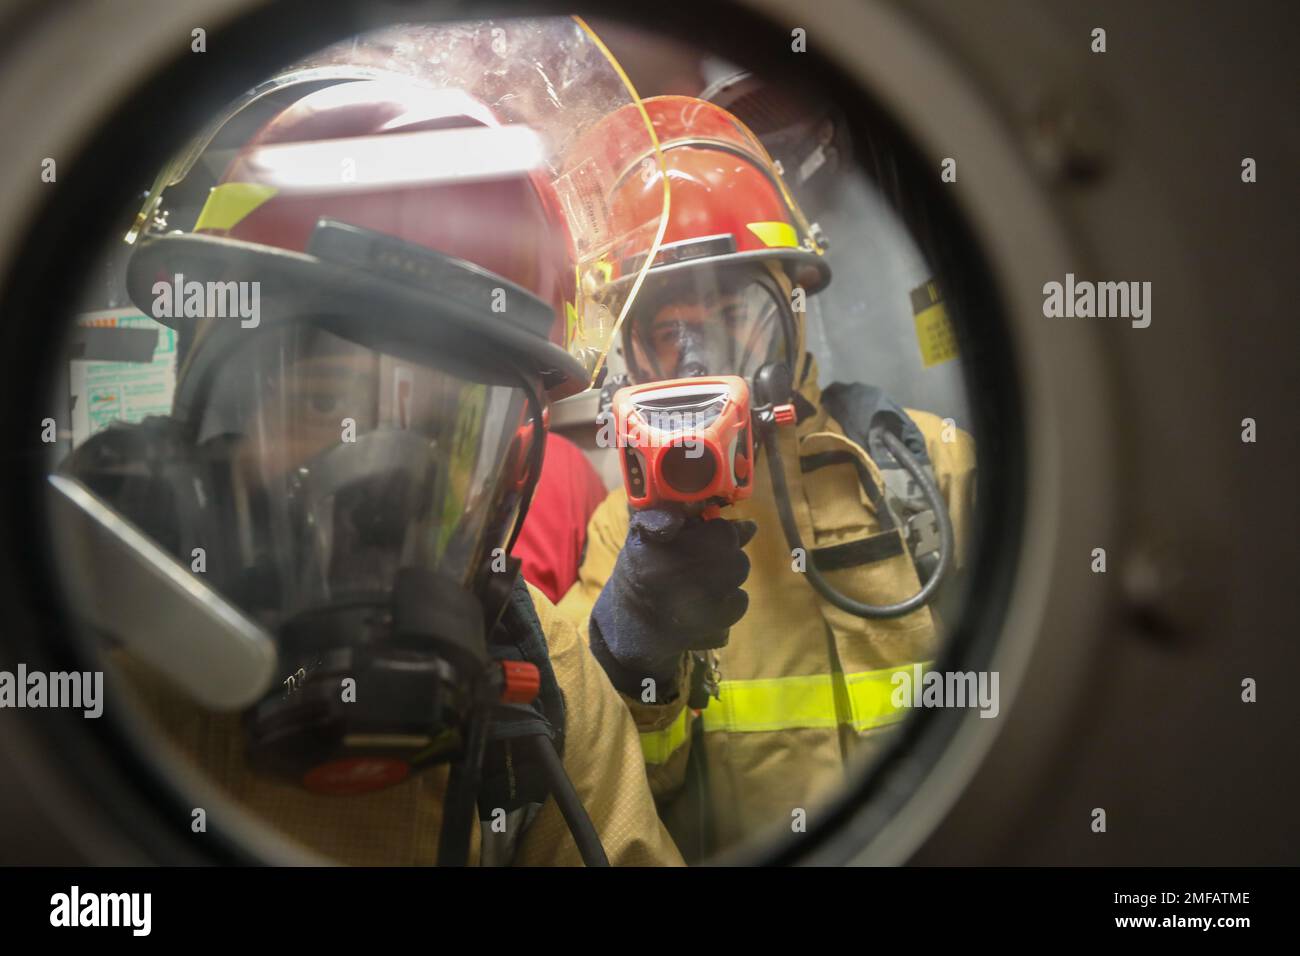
x=675 y=588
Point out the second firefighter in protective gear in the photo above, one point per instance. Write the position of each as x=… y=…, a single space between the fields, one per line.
x=751 y=710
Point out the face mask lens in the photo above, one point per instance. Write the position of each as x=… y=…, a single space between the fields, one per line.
x=349 y=463
x=703 y=324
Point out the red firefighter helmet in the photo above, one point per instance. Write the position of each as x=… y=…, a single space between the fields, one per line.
x=728 y=201
x=387 y=181
x=716 y=299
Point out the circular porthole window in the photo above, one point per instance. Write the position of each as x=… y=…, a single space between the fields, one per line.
x=332 y=369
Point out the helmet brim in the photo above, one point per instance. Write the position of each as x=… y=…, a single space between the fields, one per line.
x=398 y=316
x=806 y=269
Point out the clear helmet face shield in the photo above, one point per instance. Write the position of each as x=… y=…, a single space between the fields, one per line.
x=700 y=320
x=333 y=465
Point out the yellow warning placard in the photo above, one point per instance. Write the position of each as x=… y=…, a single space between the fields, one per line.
x=934 y=333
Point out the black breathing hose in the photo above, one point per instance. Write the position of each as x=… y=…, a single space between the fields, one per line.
x=819 y=583
x=570 y=804
x=458 y=807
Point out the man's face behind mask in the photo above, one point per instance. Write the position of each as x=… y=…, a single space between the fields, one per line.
x=703 y=322
x=348 y=464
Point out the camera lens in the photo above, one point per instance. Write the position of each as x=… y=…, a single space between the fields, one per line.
x=689 y=468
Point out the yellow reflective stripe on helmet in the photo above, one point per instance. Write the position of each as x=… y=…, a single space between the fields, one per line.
x=775 y=234
x=230 y=202
x=570 y=323
x=864 y=700
x=658 y=745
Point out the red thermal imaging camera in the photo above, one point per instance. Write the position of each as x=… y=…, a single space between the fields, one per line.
x=688 y=440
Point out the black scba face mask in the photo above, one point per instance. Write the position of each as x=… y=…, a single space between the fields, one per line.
x=358 y=504
x=709 y=321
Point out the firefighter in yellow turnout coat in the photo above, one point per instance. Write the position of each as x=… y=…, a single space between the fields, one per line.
x=744 y=726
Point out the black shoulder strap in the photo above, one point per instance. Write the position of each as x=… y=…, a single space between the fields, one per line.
x=859 y=408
